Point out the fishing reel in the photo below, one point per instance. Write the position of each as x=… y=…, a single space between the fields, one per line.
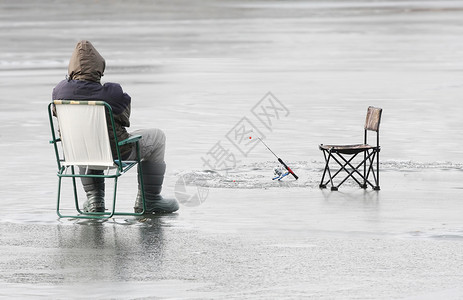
x=279 y=172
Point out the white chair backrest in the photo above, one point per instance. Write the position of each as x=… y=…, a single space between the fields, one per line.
x=84 y=135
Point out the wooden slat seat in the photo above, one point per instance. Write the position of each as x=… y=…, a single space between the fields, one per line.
x=346 y=149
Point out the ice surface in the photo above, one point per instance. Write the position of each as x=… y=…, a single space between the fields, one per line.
x=197 y=69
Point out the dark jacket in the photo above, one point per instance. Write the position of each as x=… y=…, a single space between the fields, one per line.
x=85 y=70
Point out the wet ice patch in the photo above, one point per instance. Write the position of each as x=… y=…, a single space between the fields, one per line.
x=439 y=234
x=123 y=289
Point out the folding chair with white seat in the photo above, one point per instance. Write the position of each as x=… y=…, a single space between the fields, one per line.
x=340 y=155
x=84 y=136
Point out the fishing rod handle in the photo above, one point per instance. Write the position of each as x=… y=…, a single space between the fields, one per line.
x=288 y=168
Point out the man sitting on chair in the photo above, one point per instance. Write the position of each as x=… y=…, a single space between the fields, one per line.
x=86 y=68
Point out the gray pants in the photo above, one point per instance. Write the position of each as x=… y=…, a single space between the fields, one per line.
x=152 y=149
x=152 y=145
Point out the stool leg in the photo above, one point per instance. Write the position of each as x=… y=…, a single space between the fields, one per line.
x=377 y=188
x=327 y=160
x=333 y=188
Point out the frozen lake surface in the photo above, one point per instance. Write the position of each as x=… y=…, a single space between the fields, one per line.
x=197 y=69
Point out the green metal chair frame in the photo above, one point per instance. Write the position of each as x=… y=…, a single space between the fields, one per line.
x=120 y=166
x=338 y=153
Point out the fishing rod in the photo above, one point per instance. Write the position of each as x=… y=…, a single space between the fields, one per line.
x=280 y=160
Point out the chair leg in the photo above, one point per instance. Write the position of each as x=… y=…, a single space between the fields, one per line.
x=364 y=185
x=377 y=188
x=331 y=176
x=335 y=188
x=58 y=198
x=141 y=188
x=375 y=174
x=327 y=169
x=353 y=171
x=327 y=160
x=74 y=186
x=113 y=209
x=370 y=157
x=374 y=155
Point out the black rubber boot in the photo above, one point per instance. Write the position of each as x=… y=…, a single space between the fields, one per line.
x=153 y=177
x=94 y=188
